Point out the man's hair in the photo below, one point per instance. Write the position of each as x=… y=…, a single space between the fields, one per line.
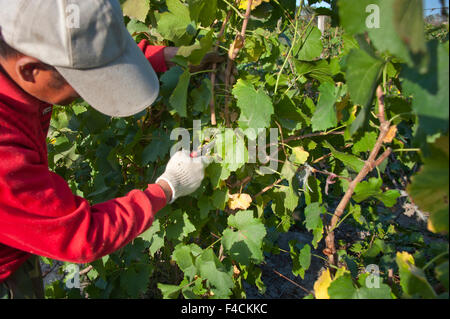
x=5 y=50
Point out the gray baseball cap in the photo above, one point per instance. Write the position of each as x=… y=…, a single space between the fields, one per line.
x=89 y=45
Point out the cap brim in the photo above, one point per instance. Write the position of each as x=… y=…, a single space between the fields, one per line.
x=121 y=88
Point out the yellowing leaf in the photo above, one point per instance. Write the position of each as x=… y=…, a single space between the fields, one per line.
x=300 y=155
x=340 y=107
x=405 y=257
x=390 y=134
x=236 y=271
x=239 y=201
x=244 y=3
x=322 y=284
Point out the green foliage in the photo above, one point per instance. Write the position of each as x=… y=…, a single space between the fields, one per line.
x=319 y=92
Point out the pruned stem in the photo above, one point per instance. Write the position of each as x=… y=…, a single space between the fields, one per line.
x=370 y=164
x=234 y=51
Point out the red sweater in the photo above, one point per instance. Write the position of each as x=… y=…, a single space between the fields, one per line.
x=38 y=212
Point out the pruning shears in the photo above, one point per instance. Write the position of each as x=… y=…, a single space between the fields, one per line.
x=204 y=150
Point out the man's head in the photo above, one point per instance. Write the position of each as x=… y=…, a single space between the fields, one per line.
x=35 y=77
x=87 y=43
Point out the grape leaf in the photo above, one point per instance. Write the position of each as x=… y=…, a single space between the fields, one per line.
x=366 y=143
x=211 y=269
x=343 y=288
x=313 y=221
x=154 y=236
x=429 y=187
x=137 y=9
x=169 y=291
x=301 y=259
x=311 y=47
x=178 y=99
x=256 y=106
x=244 y=240
x=409 y=24
x=197 y=51
x=430 y=90
x=175 y=24
x=180 y=227
x=183 y=256
x=325 y=115
x=363 y=72
x=413 y=279
x=372 y=188
x=203 y=11
x=136 y=279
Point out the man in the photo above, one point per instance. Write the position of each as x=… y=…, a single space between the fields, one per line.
x=44 y=61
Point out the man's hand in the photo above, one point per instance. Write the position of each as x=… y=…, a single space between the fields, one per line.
x=183 y=175
x=207 y=62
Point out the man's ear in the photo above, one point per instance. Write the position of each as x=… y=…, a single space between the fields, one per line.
x=28 y=68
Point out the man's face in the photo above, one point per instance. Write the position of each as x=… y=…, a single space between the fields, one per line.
x=39 y=80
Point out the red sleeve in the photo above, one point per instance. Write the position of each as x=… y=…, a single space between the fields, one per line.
x=155 y=55
x=40 y=215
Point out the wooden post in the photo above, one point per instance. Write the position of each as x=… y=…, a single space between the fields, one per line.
x=321 y=23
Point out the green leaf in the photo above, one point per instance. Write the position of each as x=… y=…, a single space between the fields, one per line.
x=385 y=38
x=154 y=236
x=351 y=161
x=180 y=226
x=256 y=107
x=217 y=173
x=409 y=24
x=230 y=146
x=288 y=171
x=313 y=221
x=343 y=288
x=413 y=279
x=366 y=143
x=429 y=91
x=353 y=15
x=442 y=273
x=135 y=26
x=137 y=9
x=220 y=199
x=157 y=149
x=325 y=115
x=311 y=47
x=178 y=99
x=175 y=25
x=205 y=206
x=202 y=96
x=363 y=72
x=319 y=70
x=372 y=188
x=301 y=259
x=169 y=291
x=203 y=11
x=170 y=79
x=244 y=240
x=196 y=52
x=211 y=269
x=185 y=259
x=136 y=279
x=429 y=188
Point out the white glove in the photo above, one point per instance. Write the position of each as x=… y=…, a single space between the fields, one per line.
x=183 y=174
